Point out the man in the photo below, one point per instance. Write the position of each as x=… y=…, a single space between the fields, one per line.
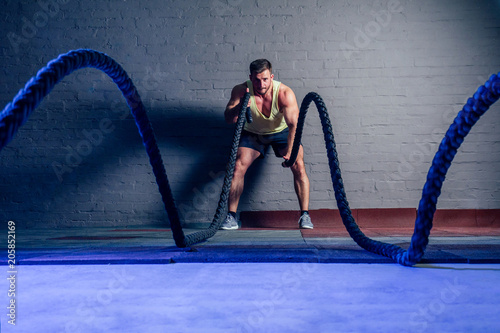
x=275 y=114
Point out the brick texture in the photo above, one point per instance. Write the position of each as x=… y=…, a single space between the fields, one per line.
x=393 y=74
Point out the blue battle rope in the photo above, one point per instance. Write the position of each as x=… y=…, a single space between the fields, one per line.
x=476 y=106
x=16 y=113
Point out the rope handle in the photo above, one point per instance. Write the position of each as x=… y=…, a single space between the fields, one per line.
x=249 y=115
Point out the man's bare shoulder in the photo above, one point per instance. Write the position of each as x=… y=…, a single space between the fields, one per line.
x=286 y=96
x=239 y=90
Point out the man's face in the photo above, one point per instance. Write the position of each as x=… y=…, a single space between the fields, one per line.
x=262 y=82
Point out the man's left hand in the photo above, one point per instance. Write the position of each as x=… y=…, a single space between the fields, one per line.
x=286 y=158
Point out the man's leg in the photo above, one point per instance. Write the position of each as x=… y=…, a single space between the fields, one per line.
x=244 y=158
x=301 y=181
x=302 y=188
x=250 y=149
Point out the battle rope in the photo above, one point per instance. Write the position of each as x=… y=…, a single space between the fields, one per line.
x=476 y=106
x=221 y=211
x=16 y=113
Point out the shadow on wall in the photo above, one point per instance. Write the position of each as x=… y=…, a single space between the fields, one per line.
x=92 y=169
x=202 y=143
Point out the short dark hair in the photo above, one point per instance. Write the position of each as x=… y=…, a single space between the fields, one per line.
x=260 y=65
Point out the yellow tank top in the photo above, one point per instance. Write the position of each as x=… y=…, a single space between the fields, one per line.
x=261 y=124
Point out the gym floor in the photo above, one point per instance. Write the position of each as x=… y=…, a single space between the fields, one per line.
x=258 y=297
x=250 y=280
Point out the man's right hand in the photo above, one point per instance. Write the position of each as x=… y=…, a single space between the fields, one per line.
x=249 y=103
x=234 y=106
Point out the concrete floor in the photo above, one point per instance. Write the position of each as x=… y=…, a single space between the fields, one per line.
x=255 y=297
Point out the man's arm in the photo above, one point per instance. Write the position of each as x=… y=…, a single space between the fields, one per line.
x=290 y=110
x=234 y=105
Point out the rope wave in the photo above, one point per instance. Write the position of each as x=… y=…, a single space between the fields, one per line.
x=17 y=112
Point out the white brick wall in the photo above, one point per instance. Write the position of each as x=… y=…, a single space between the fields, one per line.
x=393 y=74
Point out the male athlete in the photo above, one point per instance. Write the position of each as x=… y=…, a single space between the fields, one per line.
x=275 y=114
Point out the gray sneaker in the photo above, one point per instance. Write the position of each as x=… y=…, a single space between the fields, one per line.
x=305 y=222
x=229 y=223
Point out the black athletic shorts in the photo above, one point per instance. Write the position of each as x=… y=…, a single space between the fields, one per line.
x=260 y=142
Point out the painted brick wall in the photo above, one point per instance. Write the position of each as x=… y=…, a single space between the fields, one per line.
x=393 y=74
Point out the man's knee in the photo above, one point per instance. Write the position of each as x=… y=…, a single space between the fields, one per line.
x=243 y=162
x=299 y=169
x=240 y=168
